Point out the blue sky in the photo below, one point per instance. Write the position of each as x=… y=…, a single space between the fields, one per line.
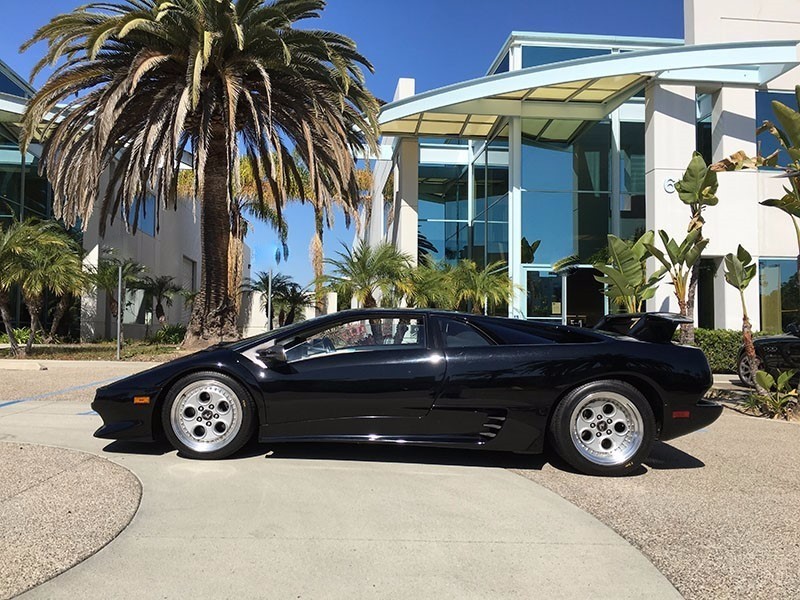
x=437 y=42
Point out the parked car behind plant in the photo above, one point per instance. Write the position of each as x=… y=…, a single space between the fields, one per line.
x=774 y=353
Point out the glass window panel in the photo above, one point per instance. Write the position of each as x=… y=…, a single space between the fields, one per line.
x=503 y=66
x=457 y=334
x=592 y=162
x=430 y=239
x=548 y=217
x=543 y=294
x=442 y=192
x=779 y=294
x=767 y=143
x=457 y=245
x=632 y=158
x=361 y=335
x=543 y=55
x=7 y=86
x=591 y=217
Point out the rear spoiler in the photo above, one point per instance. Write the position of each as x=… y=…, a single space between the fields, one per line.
x=657 y=327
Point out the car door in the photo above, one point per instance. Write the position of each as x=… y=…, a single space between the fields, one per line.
x=355 y=368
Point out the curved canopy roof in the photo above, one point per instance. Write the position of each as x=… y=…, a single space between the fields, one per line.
x=558 y=99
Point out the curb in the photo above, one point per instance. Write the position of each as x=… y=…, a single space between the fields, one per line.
x=8 y=364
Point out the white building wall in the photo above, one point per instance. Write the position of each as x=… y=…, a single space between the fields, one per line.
x=163 y=254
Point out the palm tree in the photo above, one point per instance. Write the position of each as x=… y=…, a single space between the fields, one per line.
x=291 y=301
x=483 y=288
x=52 y=263
x=137 y=82
x=430 y=285
x=15 y=239
x=160 y=289
x=366 y=271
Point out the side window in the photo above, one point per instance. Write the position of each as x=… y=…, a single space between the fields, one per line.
x=458 y=334
x=360 y=335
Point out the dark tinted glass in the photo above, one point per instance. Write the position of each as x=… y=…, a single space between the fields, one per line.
x=543 y=55
x=457 y=334
x=767 y=142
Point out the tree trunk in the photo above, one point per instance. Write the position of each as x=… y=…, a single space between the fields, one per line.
x=687 y=330
x=6 y=314
x=214 y=315
x=61 y=310
x=34 y=306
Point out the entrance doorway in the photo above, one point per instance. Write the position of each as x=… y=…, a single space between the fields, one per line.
x=572 y=297
x=586 y=303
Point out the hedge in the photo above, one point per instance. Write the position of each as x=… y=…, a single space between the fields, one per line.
x=721 y=347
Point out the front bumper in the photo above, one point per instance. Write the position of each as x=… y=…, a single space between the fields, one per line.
x=122 y=419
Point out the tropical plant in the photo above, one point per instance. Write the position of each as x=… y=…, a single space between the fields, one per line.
x=14 y=240
x=366 y=272
x=698 y=190
x=290 y=302
x=739 y=272
x=106 y=278
x=430 y=285
x=170 y=334
x=160 y=290
x=22 y=334
x=528 y=249
x=137 y=82
x=777 y=399
x=625 y=278
x=51 y=261
x=679 y=261
x=483 y=288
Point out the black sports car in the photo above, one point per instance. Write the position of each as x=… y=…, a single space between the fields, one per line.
x=600 y=396
x=774 y=353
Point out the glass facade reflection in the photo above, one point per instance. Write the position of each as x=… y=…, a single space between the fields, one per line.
x=534 y=56
x=565 y=202
x=779 y=294
x=443 y=212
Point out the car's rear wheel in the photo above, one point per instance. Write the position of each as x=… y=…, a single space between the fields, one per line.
x=603 y=428
x=746 y=370
x=207 y=415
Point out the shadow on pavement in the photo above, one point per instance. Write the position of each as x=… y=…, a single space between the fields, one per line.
x=665 y=457
x=662 y=457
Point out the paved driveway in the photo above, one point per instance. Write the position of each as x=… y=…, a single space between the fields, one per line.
x=307 y=521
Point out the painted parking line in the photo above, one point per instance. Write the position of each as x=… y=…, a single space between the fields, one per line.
x=58 y=392
x=88 y=412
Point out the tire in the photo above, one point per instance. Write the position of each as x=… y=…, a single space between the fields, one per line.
x=208 y=415
x=744 y=372
x=603 y=428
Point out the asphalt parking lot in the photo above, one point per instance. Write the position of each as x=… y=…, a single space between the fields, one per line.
x=321 y=521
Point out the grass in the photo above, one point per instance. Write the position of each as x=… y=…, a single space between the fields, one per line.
x=135 y=350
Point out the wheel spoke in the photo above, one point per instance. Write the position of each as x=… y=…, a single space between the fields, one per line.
x=206 y=415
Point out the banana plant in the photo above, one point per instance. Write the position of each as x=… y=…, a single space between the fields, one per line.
x=625 y=278
x=698 y=190
x=780 y=397
x=679 y=260
x=739 y=272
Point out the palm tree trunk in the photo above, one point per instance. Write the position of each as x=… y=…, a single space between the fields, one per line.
x=34 y=306
x=6 y=314
x=213 y=315
x=61 y=310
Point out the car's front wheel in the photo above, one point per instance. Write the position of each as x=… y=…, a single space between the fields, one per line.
x=208 y=415
x=603 y=428
x=747 y=370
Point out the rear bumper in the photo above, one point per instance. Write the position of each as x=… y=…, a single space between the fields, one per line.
x=700 y=415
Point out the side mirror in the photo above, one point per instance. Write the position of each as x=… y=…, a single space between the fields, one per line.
x=274 y=355
x=793 y=329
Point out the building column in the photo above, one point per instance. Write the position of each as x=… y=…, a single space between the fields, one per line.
x=670 y=140
x=733 y=129
x=406 y=218
x=518 y=306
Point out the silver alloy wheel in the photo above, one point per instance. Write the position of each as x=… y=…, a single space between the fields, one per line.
x=206 y=415
x=746 y=374
x=607 y=428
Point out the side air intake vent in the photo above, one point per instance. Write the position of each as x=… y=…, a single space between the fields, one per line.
x=493 y=425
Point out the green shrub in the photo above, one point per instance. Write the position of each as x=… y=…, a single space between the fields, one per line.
x=721 y=347
x=22 y=334
x=170 y=334
x=779 y=399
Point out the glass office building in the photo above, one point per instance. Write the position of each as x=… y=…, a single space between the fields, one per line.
x=537 y=162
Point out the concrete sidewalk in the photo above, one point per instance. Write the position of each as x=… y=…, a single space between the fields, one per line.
x=319 y=521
